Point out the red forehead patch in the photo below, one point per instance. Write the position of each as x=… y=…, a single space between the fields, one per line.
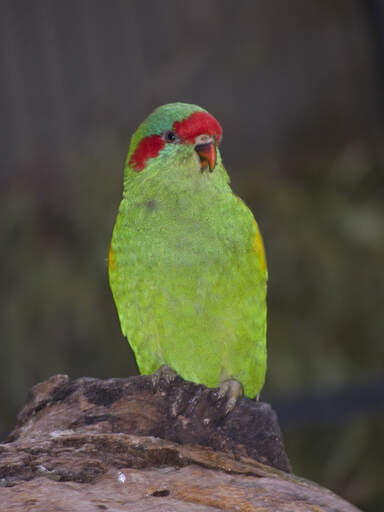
x=199 y=123
x=148 y=147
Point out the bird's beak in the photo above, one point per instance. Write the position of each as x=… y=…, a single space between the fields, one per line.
x=207 y=154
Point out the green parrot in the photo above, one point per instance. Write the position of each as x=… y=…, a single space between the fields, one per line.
x=186 y=263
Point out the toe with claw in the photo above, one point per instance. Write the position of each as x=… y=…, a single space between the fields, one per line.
x=231 y=390
x=164 y=373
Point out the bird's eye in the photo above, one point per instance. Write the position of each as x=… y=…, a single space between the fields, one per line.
x=170 y=137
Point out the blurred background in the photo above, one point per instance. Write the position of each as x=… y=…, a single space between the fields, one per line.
x=298 y=89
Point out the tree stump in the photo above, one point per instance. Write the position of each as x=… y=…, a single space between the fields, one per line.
x=123 y=444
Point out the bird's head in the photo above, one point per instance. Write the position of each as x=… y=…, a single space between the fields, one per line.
x=176 y=136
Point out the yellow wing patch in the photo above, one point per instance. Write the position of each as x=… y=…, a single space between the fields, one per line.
x=258 y=248
x=111 y=259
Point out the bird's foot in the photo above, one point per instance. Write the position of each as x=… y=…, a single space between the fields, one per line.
x=164 y=373
x=231 y=390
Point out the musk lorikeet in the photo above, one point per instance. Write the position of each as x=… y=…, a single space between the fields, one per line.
x=186 y=263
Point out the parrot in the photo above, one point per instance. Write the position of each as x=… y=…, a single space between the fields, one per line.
x=187 y=266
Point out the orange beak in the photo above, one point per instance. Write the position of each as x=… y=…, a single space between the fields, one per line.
x=207 y=154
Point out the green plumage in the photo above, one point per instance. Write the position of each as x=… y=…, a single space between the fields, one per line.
x=187 y=267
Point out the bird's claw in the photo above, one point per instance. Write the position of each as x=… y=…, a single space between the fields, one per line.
x=165 y=373
x=231 y=390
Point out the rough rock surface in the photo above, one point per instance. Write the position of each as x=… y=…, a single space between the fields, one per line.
x=123 y=444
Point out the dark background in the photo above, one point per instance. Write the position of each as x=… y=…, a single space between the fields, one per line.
x=297 y=86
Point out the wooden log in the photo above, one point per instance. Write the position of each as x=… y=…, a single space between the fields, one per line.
x=123 y=444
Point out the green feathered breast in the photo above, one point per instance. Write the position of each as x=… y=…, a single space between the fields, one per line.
x=187 y=269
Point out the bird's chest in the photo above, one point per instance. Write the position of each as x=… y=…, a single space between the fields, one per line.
x=184 y=233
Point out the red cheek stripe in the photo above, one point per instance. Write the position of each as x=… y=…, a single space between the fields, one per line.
x=149 y=147
x=198 y=123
